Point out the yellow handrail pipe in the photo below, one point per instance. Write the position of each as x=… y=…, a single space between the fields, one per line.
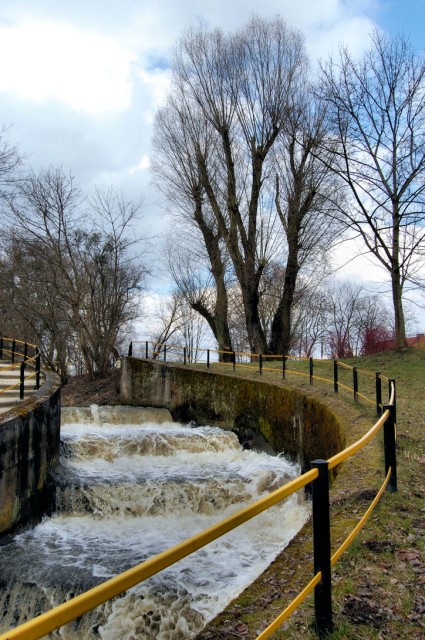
x=57 y=617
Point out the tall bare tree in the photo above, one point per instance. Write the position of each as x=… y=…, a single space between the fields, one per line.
x=180 y=134
x=377 y=108
x=229 y=107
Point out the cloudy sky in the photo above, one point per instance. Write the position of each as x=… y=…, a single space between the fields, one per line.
x=80 y=81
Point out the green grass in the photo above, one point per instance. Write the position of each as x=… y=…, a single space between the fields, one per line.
x=378 y=584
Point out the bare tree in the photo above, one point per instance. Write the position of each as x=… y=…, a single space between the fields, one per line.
x=33 y=306
x=356 y=321
x=229 y=107
x=74 y=268
x=202 y=282
x=343 y=318
x=377 y=108
x=310 y=326
x=179 y=136
x=306 y=194
x=10 y=163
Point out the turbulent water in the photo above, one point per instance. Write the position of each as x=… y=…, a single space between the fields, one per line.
x=128 y=489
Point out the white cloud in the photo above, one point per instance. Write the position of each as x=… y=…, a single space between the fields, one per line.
x=144 y=164
x=56 y=61
x=352 y=32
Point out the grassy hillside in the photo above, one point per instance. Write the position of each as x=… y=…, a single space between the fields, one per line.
x=379 y=583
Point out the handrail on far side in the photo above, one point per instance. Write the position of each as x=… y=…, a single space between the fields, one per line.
x=24 y=360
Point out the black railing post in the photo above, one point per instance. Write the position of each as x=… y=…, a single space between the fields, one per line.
x=322 y=549
x=184 y=355
x=165 y=352
x=391 y=383
x=130 y=349
x=25 y=351
x=208 y=358
x=22 y=381
x=378 y=393
x=1 y=348
x=234 y=360
x=311 y=370
x=390 y=448
x=37 y=369
x=336 y=376
x=355 y=383
x=13 y=351
x=283 y=366
x=261 y=363
x=147 y=349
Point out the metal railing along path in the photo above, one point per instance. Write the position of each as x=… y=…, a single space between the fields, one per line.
x=321 y=583
x=337 y=373
x=20 y=371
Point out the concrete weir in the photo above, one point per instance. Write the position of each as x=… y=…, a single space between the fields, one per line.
x=285 y=419
x=29 y=451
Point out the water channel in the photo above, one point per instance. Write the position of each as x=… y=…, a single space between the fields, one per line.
x=128 y=488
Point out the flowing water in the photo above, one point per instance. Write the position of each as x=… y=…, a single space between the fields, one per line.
x=127 y=489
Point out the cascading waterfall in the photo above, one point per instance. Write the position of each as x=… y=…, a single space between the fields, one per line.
x=132 y=483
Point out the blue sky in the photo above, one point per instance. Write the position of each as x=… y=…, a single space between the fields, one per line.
x=406 y=16
x=80 y=81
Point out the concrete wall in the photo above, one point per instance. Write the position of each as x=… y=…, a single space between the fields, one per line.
x=29 y=450
x=288 y=421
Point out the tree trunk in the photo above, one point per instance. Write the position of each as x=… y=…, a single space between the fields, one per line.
x=280 y=339
x=399 y=325
x=256 y=337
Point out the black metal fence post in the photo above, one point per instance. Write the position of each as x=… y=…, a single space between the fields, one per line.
x=147 y=350
x=37 y=369
x=22 y=381
x=390 y=447
x=165 y=352
x=378 y=388
x=355 y=383
x=208 y=358
x=234 y=360
x=261 y=363
x=391 y=384
x=130 y=349
x=336 y=376
x=25 y=351
x=322 y=548
x=311 y=370
x=283 y=366
x=184 y=355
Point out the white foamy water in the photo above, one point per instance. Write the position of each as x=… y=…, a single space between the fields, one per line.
x=125 y=493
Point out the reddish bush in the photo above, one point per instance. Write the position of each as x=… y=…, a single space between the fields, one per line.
x=376 y=339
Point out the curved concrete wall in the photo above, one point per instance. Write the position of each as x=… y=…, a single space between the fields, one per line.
x=298 y=425
x=29 y=451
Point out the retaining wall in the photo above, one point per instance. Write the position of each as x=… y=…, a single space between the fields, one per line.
x=29 y=451
x=300 y=426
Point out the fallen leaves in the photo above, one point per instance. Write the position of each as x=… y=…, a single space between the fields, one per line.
x=363 y=610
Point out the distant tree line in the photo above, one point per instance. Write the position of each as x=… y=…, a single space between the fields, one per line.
x=336 y=319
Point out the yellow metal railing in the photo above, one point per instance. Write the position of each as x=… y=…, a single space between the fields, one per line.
x=74 y=608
